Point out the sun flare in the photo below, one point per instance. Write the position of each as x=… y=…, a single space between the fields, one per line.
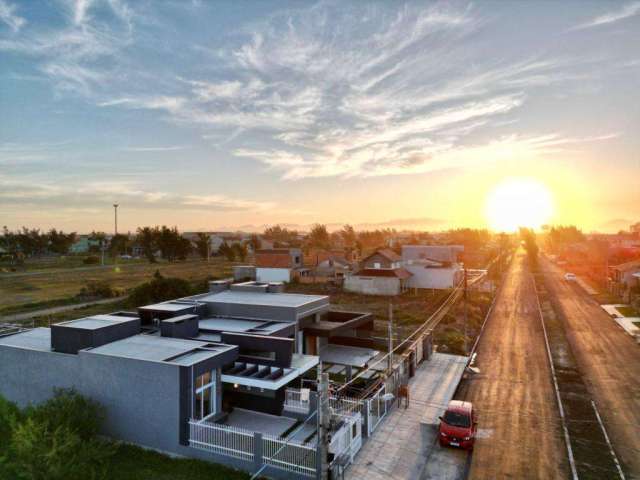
x=518 y=202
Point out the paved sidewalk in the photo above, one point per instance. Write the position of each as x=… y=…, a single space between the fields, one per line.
x=400 y=446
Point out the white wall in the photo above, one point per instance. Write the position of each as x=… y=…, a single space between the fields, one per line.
x=372 y=285
x=273 y=274
x=436 y=278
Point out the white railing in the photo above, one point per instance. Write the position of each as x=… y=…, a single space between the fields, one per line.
x=346 y=405
x=293 y=401
x=291 y=456
x=377 y=408
x=222 y=439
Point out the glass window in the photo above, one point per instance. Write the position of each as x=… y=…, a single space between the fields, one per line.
x=205 y=395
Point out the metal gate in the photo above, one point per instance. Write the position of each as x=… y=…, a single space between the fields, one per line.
x=377 y=408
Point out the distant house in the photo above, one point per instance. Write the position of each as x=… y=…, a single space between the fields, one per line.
x=84 y=244
x=623 y=277
x=278 y=264
x=433 y=266
x=327 y=265
x=380 y=273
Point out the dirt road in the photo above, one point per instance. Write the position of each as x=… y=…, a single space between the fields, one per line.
x=519 y=429
x=609 y=361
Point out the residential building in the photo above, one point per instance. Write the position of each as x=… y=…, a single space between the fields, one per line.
x=380 y=273
x=433 y=266
x=188 y=375
x=278 y=264
x=327 y=266
x=623 y=277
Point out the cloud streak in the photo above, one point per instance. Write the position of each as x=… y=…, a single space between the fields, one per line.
x=9 y=17
x=628 y=10
x=99 y=193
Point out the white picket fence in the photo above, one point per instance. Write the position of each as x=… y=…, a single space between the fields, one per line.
x=293 y=401
x=223 y=439
x=239 y=443
x=291 y=456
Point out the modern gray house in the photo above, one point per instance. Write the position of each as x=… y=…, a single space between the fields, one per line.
x=215 y=376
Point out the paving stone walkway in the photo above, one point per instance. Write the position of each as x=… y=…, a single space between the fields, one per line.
x=403 y=441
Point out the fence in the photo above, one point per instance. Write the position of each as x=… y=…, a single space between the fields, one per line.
x=291 y=456
x=377 y=408
x=222 y=439
x=293 y=401
x=346 y=405
x=261 y=449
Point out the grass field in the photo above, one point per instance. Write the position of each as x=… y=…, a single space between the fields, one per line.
x=134 y=463
x=39 y=290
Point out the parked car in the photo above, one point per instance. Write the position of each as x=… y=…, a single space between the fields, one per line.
x=458 y=425
x=570 y=277
x=126 y=257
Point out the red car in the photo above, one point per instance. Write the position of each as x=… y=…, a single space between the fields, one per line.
x=458 y=425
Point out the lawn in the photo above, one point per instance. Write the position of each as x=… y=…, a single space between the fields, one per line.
x=134 y=463
x=628 y=311
x=24 y=292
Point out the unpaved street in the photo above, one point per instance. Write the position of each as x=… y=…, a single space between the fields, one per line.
x=609 y=361
x=520 y=433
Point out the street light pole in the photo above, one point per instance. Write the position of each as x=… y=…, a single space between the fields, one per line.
x=115 y=211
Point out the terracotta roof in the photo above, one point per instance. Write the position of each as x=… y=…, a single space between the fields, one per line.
x=401 y=273
x=386 y=253
x=272 y=259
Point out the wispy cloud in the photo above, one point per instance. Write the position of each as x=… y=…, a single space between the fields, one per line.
x=99 y=193
x=626 y=11
x=8 y=16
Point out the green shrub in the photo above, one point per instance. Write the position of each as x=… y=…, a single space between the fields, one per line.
x=98 y=290
x=91 y=260
x=55 y=440
x=10 y=415
x=160 y=289
x=38 y=452
x=69 y=409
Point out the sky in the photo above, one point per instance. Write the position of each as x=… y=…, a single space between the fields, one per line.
x=235 y=115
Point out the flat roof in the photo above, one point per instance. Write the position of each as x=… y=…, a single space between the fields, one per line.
x=294 y=300
x=299 y=365
x=237 y=325
x=36 y=339
x=346 y=355
x=171 y=306
x=162 y=349
x=97 y=321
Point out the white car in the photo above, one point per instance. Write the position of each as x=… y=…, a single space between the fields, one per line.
x=570 y=277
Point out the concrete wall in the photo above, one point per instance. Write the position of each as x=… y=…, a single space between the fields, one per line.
x=436 y=278
x=141 y=399
x=273 y=274
x=372 y=285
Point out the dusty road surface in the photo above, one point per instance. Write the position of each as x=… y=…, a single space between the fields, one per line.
x=519 y=429
x=609 y=361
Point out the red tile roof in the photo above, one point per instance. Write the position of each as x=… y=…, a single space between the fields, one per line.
x=401 y=273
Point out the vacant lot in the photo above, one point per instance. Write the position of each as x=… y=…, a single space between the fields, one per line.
x=409 y=309
x=22 y=292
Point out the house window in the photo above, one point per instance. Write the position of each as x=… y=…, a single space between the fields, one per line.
x=376 y=264
x=205 y=398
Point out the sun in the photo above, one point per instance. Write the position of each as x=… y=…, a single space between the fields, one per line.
x=518 y=202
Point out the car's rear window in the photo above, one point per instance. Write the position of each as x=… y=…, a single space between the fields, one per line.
x=456 y=419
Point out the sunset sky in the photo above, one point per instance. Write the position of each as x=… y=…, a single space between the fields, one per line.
x=210 y=115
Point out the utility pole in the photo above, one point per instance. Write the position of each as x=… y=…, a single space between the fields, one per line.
x=465 y=310
x=390 y=362
x=324 y=421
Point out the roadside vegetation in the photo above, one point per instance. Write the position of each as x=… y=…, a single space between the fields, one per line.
x=58 y=440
